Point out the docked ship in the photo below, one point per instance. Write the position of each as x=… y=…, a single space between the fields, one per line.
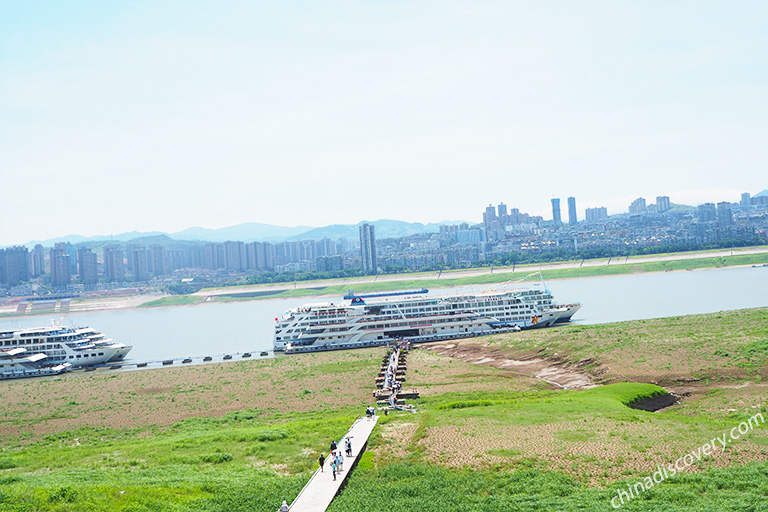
x=27 y=352
x=18 y=362
x=377 y=319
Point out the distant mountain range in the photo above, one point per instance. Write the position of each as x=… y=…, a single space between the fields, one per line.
x=253 y=231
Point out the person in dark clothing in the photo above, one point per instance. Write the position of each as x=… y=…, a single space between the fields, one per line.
x=321 y=461
x=333 y=446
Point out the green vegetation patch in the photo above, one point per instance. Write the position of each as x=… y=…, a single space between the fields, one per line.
x=540 y=407
x=429 y=488
x=174 y=300
x=242 y=461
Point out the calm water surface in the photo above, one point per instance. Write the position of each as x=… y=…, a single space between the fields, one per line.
x=217 y=329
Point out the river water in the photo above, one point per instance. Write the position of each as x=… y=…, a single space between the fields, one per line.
x=239 y=327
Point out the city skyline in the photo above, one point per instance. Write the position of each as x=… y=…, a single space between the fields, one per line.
x=583 y=214
x=126 y=116
x=505 y=235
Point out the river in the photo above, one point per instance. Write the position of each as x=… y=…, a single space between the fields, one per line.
x=235 y=328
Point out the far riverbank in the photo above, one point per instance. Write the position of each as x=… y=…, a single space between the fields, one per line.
x=731 y=258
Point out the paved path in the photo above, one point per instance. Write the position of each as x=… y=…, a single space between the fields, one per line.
x=317 y=495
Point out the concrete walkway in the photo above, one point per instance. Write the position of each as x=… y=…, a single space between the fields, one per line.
x=317 y=495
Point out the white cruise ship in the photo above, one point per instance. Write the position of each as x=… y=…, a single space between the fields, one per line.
x=376 y=319
x=78 y=347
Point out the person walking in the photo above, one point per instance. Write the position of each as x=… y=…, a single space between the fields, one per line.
x=348 y=446
x=284 y=507
x=333 y=446
x=340 y=459
x=333 y=469
x=321 y=461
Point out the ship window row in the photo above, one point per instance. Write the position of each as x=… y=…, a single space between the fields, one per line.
x=400 y=325
x=78 y=356
x=45 y=347
x=11 y=343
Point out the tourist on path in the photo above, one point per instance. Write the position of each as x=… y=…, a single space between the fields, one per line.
x=284 y=507
x=333 y=446
x=333 y=468
x=340 y=460
x=348 y=446
x=321 y=461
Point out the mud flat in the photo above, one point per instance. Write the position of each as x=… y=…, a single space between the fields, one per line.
x=479 y=352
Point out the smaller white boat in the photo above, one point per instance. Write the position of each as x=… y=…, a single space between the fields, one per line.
x=18 y=363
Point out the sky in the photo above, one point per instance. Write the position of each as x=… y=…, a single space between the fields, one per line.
x=161 y=115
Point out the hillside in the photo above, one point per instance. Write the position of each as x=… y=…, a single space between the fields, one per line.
x=253 y=231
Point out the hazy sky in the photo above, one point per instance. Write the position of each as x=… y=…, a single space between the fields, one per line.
x=158 y=115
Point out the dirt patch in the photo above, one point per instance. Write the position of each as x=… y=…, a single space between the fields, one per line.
x=596 y=450
x=149 y=391
x=432 y=375
x=396 y=437
x=481 y=353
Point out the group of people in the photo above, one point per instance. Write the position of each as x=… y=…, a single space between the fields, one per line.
x=390 y=381
x=336 y=457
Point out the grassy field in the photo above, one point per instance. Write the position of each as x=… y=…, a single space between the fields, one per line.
x=246 y=435
x=446 y=281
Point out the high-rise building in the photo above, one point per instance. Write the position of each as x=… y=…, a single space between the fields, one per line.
x=70 y=250
x=638 y=206
x=213 y=256
x=707 y=212
x=489 y=216
x=724 y=215
x=139 y=263
x=368 y=248
x=595 y=214
x=88 y=268
x=114 y=264
x=556 y=210
x=469 y=236
x=325 y=247
x=16 y=265
x=38 y=260
x=746 y=200
x=502 y=209
x=61 y=267
x=234 y=255
x=663 y=204
x=128 y=259
x=572 y=211
x=157 y=261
